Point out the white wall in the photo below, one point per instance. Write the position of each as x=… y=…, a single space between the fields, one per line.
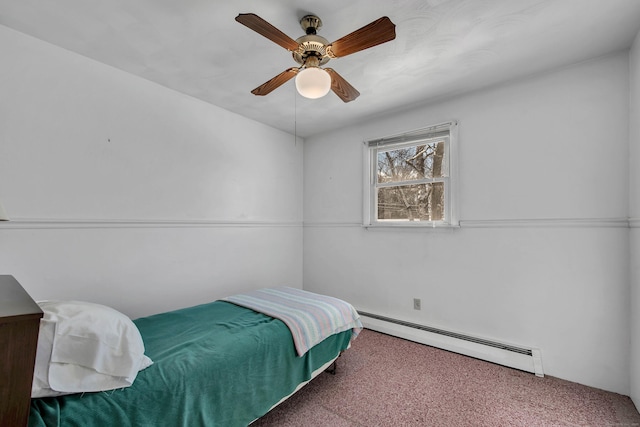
x=541 y=258
x=126 y=193
x=634 y=216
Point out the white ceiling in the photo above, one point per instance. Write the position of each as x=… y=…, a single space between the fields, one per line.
x=443 y=47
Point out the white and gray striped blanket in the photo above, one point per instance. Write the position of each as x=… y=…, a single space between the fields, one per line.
x=310 y=317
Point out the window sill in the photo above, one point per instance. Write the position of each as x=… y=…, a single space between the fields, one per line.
x=412 y=226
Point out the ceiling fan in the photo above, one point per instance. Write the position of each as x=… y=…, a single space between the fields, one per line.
x=312 y=51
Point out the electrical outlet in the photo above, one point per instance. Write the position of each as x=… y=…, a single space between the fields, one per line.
x=416 y=303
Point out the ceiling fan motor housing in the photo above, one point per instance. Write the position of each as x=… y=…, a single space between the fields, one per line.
x=311 y=44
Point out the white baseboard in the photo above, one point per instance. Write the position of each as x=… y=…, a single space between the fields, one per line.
x=525 y=362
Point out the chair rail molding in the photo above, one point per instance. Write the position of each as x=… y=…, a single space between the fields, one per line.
x=622 y=222
x=42 y=223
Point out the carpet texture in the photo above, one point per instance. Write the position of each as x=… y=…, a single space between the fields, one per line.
x=387 y=381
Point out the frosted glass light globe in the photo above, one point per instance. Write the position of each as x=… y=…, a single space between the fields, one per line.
x=313 y=82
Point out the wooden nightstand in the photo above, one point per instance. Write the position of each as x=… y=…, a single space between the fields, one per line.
x=19 y=326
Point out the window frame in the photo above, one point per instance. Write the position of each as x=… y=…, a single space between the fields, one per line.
x=412 y=138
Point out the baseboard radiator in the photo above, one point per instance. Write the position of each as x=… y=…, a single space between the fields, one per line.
x=513 y=356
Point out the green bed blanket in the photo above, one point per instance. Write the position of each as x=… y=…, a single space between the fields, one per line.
x=215 y=364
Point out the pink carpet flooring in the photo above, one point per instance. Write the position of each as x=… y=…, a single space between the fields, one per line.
x=387 y=381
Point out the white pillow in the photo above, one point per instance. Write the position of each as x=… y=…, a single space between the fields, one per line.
x=85 y=347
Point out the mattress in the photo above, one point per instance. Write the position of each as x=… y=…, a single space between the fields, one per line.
x=215 y=364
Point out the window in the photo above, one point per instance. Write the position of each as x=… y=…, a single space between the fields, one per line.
x=410 y=178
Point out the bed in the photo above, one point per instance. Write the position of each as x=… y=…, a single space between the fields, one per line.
x=215 y=364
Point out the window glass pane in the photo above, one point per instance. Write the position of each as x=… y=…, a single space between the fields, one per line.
x=422 y=202
x=411 y=163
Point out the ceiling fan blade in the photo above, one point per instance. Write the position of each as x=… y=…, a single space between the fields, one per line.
x=276 y=82
x=379 y=31
x=341 y=87
x=262 y=27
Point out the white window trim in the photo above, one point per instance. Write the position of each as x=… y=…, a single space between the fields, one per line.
x=368 y=190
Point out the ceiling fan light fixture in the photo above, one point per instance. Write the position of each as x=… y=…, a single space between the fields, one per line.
x=313 y=82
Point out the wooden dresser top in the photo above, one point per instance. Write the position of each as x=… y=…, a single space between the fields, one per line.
x=14 y=300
